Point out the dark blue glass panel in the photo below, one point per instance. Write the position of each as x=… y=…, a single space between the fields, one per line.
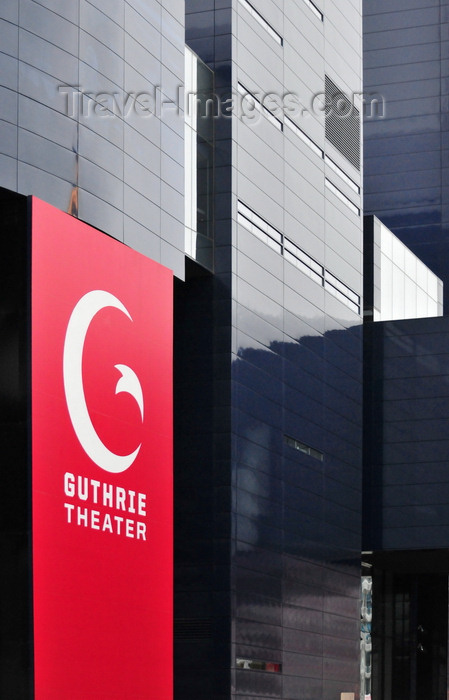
x=409 y=487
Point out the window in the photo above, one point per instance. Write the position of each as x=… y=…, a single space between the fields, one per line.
x=263 y=22
x=319 y=152
x=247 y=95
x=299 y=132
x=259 y=227
x=342 y=197
x=304 y=262
x=255 y=665
x=336 y=168
x=296 y=256
x=302 y=447
x=341 y=291
x=314 y=9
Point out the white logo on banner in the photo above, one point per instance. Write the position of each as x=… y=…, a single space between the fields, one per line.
x=83 y=313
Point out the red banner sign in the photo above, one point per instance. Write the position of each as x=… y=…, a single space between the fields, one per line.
x=101 y=465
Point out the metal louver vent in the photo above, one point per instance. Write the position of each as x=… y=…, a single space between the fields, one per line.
x=342 y=123
x=191 y=628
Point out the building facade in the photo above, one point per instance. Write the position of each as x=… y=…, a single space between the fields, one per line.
x=263 y=152
x=405 y=507
x=405 y=151
x=270 y=586
x=85 y=122
x=405 y=503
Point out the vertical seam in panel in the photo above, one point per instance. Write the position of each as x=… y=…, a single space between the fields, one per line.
x=17 y=97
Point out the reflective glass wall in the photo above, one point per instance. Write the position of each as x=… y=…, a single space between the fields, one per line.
x=269 y=483
x=406 y=129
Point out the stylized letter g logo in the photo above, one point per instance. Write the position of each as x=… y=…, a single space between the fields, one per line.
x=82 y=315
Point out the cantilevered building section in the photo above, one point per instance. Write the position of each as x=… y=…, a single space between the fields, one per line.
x=397 y=284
